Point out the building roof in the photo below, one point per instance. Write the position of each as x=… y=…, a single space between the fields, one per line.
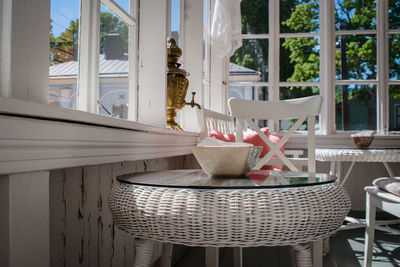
x=235 y=69
x=116 y=68
x=112 y=68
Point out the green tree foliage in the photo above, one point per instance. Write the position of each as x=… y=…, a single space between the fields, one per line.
x=300 y=56
x=64 y=47
x=112 y=24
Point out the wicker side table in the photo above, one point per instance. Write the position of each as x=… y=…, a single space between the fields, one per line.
x=187 y=207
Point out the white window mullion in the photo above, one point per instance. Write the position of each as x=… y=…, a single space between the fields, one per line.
x=89 y=41
x=382 y=110
x=5 y=48
x=207 y=55
x=273 y=60
x=327 y=66
x=192 y=52
x=133 y=59
x=152 y=63
x=25 y=50
x=119 y=12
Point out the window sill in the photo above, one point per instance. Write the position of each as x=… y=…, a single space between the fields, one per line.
x=342 y=140
x=37 y=137
x=33 y=140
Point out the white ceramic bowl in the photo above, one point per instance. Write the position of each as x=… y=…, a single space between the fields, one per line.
x=226 y=160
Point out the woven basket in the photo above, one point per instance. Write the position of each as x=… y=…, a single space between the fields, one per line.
x=362 y=141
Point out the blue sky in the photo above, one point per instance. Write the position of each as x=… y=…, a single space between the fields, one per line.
x=62 y=12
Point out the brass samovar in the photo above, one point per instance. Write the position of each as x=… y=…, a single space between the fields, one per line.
x=177 y=85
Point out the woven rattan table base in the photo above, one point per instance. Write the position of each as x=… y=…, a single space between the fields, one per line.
x=229 y=218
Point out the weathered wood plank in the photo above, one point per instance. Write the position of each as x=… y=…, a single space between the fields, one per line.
x=118 y=256
x=57 y=218
x=74 y=217
x=90 y=198
x=105 y=222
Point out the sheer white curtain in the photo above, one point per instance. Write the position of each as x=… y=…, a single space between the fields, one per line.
x=226 y=27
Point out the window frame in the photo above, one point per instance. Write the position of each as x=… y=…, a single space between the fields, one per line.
x=89 y=39
x=327 y=81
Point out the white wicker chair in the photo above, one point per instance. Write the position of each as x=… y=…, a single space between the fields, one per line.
x=377 y=198
x=300 y=109
x=214 y=121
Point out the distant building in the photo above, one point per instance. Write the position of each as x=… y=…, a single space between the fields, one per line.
x=239 y=74
x=113 y=82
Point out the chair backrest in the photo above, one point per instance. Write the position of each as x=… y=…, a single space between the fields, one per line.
x=300 y=109
x=210 y=120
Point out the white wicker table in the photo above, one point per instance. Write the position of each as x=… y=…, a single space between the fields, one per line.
x=336 y=156
x=270 y=209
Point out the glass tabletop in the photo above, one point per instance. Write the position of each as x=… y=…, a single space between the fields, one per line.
x=197 y=179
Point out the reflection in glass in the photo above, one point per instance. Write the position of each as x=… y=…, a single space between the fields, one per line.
x=244 y=92
x=175 y=20
x=254 y=16
x=355 y=107
x=355 y=57
x=394 y=56
x=113 y=66
x=299 y=16
x=299 y=59
x=64 y=36
x=394 y=108
x=124 y=4
x=355 y=14
x=297 y=92
x=394 y=14
x=253 y=55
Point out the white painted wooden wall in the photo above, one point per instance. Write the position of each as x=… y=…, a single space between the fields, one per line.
x=82 y=232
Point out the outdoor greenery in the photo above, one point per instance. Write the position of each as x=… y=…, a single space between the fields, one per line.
x=64 y=48
x=299 y=57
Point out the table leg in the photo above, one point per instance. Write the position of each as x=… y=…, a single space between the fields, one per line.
x=317 y=253
x=212 y=257
x=388 y=169
x=348 y=173
x=303 y=255
x=143 y=252
x=339 y=171
x=326 y=246
x=166 y=255
x=332 y=171
x=369 y=232
x=237 y=257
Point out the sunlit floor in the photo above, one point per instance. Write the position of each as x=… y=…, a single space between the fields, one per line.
x=347 y=250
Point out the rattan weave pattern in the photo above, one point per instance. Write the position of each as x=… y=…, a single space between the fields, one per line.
x=229 y=218
x=361 y=155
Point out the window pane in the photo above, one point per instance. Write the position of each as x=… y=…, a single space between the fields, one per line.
x=248 y=92
x=299 y=59
x=394 y=108
x=297 y=92
x=355 y=14
x=394 y=56
x=254 y=16
x=356 y=57
x=175 y=20
x=355 y=107
x=299 y=16
x=252 y=56
x=113 y=65
x=63 y=71
x=394 y=14
x=124 y=4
